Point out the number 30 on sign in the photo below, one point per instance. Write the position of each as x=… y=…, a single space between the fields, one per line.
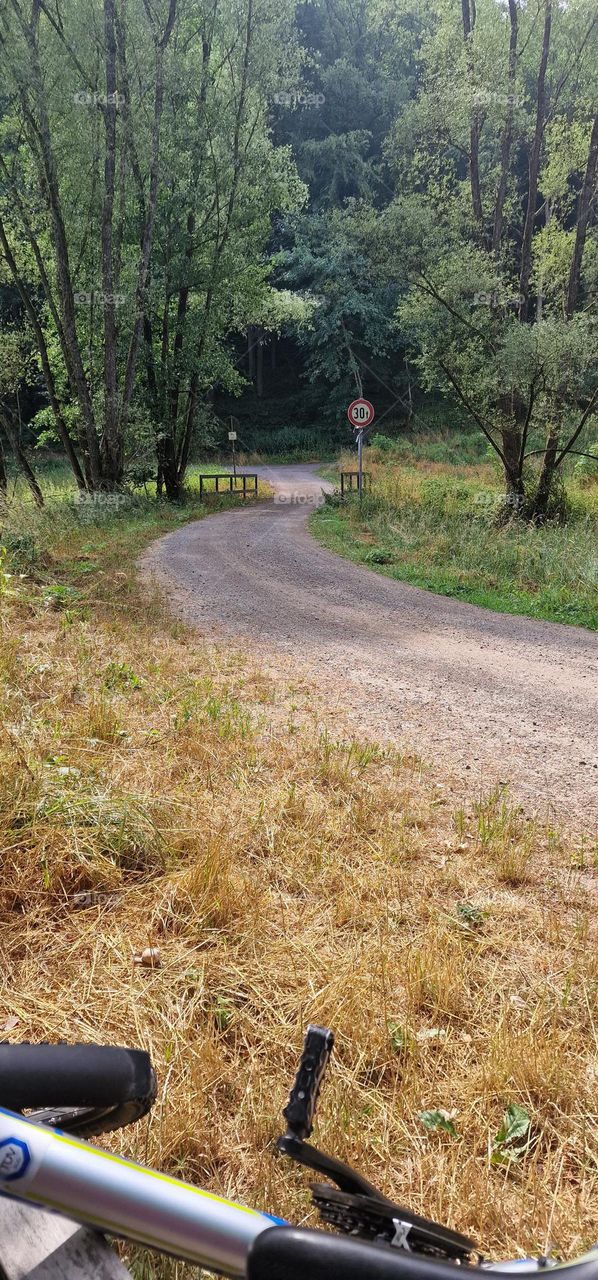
x=360 y=413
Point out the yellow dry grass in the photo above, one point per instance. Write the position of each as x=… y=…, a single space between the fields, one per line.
x=288 y=874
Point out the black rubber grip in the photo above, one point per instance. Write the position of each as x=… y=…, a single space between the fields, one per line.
x=73 y=1075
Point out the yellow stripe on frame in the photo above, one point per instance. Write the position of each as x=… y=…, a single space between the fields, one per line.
x=152 y=1173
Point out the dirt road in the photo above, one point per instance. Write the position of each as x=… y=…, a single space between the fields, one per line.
x=487 y=696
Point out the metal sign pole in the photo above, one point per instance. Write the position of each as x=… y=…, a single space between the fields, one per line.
x=361 y=414
x=232 y=435
x=360 y=463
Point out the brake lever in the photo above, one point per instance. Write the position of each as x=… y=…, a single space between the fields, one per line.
x=300 y=1111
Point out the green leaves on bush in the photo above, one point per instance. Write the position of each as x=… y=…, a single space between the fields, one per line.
x=401 y=1039
x=377 y=555
x=509 y=1145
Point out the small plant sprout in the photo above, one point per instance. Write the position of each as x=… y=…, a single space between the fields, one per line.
x=470 y=917
x=513 y=1139
x=439 y=1121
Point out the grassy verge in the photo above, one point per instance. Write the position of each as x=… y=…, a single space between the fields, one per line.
x=286 y=873
x=434 y=525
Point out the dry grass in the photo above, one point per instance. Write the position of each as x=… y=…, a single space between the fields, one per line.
x=287 y=876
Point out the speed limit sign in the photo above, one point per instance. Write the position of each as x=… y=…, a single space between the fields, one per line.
x=360 y=413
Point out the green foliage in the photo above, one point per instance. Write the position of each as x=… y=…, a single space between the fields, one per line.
x=401 y=1039
x=438 y=1122
x=5 y=577
x=223 y=1012
x=512 y=1141
x=587 y=468
x=377 y=555
x=469 y=916
x=119 y=678
x=448 y=533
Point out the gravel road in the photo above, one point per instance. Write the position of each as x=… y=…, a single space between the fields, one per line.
x=485 y=696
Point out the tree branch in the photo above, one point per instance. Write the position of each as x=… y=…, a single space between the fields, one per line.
x=474 y=414
x=588 y=411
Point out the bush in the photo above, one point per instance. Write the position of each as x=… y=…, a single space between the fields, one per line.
x=384 y=444
x=587 y=468
x=377 y=555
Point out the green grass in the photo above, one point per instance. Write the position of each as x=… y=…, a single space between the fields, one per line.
x=90 y=540
x=57 y=482
x=435 y=526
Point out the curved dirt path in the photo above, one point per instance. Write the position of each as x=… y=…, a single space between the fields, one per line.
x=487 y=696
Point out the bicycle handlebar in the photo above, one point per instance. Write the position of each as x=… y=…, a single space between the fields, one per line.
x=74 y=1075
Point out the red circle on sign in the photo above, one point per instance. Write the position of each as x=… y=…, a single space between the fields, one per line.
x=360 y=413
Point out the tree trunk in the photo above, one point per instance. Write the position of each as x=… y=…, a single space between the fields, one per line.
x=44 y=358
x=47 y=287
x=3 y=476
x=167 y=465
x=534 y=168
x=42 y=148
x=584 y=210
x=507 y=133
x=511 y=447
x=185 y=446
x=259 y=363
x=150 y=217
x=22 y=461
x=180 y=324
x=547 y=474
x=183 y=301
x=475 y=124
x=112 y=444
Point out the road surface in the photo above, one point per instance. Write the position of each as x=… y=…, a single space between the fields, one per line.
x=487 y=696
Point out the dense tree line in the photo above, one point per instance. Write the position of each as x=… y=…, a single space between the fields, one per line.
x=406 y=190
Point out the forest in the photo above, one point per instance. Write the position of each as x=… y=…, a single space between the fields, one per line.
x=262 y=209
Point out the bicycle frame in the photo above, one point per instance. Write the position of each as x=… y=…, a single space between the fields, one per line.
x=48 y=1168
x=126 y=1200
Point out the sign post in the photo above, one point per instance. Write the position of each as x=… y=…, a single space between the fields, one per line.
x=361 y=414
x=232 y=435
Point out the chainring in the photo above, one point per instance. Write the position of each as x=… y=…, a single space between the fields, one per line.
x=385 y=1222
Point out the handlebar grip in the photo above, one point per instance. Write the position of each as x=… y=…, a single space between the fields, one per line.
x=301 y=1107
x=73 y=1075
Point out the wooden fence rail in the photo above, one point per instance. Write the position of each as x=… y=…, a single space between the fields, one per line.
x=350 y=481
x=245 y=484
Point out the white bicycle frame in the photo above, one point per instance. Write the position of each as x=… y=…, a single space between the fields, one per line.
x=126 y=1200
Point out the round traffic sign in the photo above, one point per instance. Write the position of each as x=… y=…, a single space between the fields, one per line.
x=360 y=413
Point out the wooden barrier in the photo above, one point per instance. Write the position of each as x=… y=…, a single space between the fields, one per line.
x=347 y=478
x=235 y=484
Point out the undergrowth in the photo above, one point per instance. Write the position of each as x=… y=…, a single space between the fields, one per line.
x=444 y=529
